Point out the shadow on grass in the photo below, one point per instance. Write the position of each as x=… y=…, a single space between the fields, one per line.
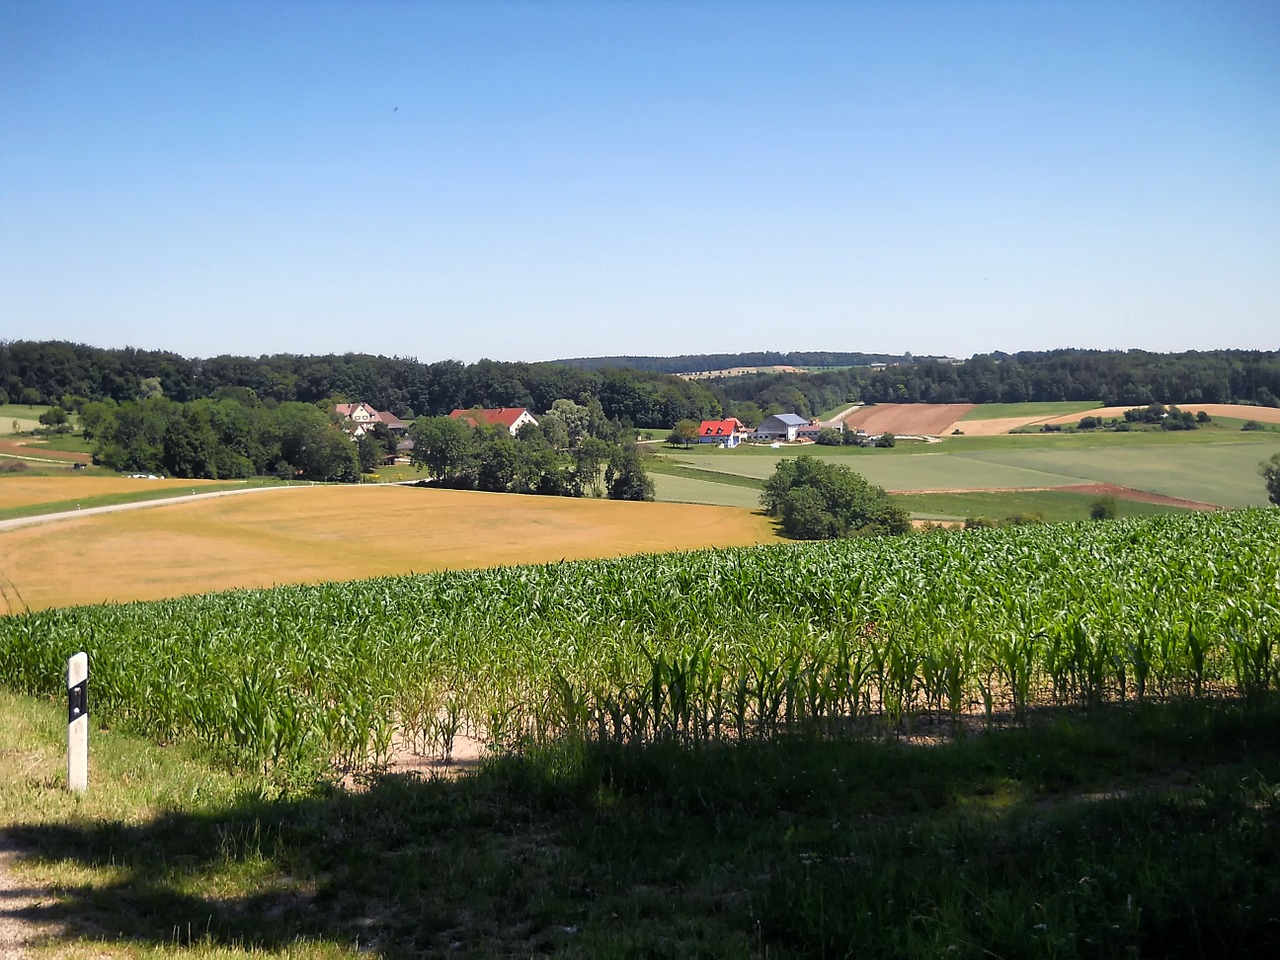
x=1122 y=832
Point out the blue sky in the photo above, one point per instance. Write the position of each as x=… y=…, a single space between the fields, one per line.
x=533 y=180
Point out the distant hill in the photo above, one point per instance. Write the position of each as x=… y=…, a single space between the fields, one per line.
x=702 y=362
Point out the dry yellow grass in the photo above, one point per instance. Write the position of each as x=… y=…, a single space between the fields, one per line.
x=336 y=533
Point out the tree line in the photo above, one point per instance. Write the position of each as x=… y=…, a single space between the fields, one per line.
x=49 y=372
x=59 y=373
x=575 y=451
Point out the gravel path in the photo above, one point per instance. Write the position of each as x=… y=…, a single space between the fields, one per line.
x=17 y=902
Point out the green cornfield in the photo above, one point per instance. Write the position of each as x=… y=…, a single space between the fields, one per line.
x=828 y=639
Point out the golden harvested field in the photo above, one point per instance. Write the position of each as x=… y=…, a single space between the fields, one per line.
x=995 y=427
x=310 y=534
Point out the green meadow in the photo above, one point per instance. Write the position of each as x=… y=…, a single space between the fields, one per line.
x=1211 y=466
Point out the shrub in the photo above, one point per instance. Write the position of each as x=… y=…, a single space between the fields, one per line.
x=1104 y=508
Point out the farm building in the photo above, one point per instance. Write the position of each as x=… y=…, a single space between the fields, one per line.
x=780 y=426
x=365 y=417
x=726 y=433
x=513 y=418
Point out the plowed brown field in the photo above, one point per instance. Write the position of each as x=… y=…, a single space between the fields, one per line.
x=922 y=419
x=336 y=533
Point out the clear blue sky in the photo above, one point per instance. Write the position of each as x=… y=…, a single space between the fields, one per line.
x=533 y=180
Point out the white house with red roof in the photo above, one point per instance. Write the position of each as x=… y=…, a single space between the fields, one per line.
x=513 y=418
x=726 y=433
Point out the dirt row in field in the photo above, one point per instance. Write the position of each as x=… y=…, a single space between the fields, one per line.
x=921 y=419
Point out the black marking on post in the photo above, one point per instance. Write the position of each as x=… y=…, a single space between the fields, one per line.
x=78 y=701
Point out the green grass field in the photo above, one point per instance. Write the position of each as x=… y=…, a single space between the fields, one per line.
x=27 y=418
x=1212 y=466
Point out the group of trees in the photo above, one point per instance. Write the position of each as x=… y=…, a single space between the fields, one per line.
x=220 y=439
x=819 y=500
x=574 y=451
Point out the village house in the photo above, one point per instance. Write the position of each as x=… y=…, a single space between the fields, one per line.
x=365 y=418
x=513 y=418
x=727 y=433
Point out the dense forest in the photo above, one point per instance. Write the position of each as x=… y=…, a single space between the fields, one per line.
x=700 y=362
x=59 y=372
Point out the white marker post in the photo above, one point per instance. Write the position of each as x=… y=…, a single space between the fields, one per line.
x=78 y=723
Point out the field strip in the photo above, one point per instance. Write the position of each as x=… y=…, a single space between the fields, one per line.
x=117 y=507
x=1097 y=489
x=336 y=533
x=17 y=456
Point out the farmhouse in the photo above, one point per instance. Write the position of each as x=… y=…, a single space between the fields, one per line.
x=780 y=426
x=726 y=433
x=365 y=417
x=513 y=418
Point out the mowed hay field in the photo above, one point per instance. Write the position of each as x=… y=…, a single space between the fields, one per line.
x=313 y=534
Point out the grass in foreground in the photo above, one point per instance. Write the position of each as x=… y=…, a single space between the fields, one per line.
x=1121 y=832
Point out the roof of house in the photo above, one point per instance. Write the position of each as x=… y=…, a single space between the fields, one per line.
x=789 y=419
x=349 y=409
x=390 y=419
x=720 y=428
x=507 y=416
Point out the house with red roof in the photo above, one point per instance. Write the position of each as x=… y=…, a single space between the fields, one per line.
x=513 y=418
x=726 y=433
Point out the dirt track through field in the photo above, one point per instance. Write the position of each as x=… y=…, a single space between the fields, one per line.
x=314 y=534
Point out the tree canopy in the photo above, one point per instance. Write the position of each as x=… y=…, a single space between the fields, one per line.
x=818 y=500
x=1270 y=470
